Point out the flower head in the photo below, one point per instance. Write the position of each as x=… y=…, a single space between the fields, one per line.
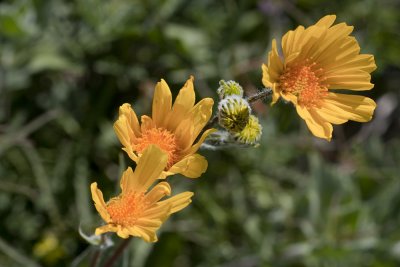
x=137 y=211
x=315 y=60
x=173 y=128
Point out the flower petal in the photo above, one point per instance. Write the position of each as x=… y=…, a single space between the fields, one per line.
x=193 y=149
x=147 y=123
x=178 y=202
x=182 y=105
x=127 y=180
x=157 y=211
x=315 y=123
x=198 y=116
x=363 y=62
x=149 y=167
x=99 y=203
x=326 y=21
x=146 y=234
x=157 y=192
x=122 y=232
x=350 y=107
x=127 y=111
x=292 y=42
x=162 y=101
x=105 y=228
x=124 y=132
x=192 y=166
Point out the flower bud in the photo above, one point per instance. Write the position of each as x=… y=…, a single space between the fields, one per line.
x=229 y=88
x=233 y=113
x=251 y=133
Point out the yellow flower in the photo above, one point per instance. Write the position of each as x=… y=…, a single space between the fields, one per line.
x=315 y=60
x=174 y=129
x=136 y=212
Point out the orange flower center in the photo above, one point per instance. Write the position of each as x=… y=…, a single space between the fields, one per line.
x=127 y=208
x=164 y=139
x=305 y=81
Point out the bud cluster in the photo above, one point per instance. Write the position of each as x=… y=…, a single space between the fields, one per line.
x=234 y=115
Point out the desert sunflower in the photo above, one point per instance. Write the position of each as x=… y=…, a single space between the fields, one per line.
x=174 y=128
x=137 y=212
x=316 y=60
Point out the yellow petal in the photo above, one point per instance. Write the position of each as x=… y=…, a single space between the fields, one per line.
x=105 y=228
x=196 y=146
x=292 y=42
x=266 y=79
x=350 y=107
x=162 y=101
x=146 y=234
x=126 y=182
x=312 y=38
x=149 y=167
x=334 y=40
x=147 y=123
x=124 y=132
x=326 y=21
x=357 y=80
x=131 y=153
x=195 y=120
x=178 y=202
x=157 y=192
x=315 y=123
x=99 y=203
x=127 y=111
x=331 y=117
x=151 y=224
x=275 y=65
x=122 y=232
x=157 y=211
x=182 y=105
x=184 y=133
x=289 y=97
x=192 y=166
x=200 y=114
x=363 y=62
x=341 y=50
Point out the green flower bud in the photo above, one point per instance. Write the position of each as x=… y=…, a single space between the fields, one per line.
x=251 y=133
x=229 y=88
x=233 y=113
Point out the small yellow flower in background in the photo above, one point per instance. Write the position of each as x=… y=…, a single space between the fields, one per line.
x=315 y=60
x=136 y=212
x=173 y=128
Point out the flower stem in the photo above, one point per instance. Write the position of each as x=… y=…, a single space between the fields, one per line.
x=95 y=258
x=124 y=244
x=262 y=94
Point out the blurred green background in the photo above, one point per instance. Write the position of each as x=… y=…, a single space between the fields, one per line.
x=66 y=67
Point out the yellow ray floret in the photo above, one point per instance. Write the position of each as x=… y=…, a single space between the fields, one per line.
x=138 y=211
x=173 y=128
x=315 y=60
